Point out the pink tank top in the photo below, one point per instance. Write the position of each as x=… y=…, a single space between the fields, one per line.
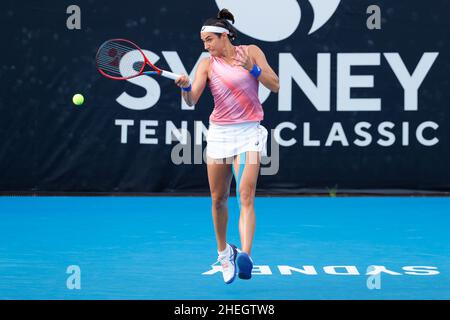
x=235 y=93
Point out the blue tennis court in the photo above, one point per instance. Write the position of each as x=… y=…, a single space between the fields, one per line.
x=163 y=248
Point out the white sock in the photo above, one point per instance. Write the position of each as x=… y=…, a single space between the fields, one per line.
x=224 y=252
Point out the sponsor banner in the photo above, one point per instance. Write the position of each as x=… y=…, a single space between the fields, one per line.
x=362 y=103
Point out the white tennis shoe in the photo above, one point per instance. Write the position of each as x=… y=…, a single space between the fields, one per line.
x=228 y=263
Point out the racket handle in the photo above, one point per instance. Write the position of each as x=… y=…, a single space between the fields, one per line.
x=170 y=75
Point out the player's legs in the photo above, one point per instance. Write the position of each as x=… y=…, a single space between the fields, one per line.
x=219 y=177
x=246 y=168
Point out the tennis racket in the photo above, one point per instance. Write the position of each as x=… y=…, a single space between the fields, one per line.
x=121 y=59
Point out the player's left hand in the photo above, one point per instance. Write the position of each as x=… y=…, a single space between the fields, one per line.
x=242 y=59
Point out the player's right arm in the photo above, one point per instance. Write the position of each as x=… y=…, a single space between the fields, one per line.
x=201 y=77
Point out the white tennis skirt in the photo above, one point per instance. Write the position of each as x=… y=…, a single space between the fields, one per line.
x=228 y=140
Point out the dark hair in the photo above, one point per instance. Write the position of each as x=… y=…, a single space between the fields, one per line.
x=223 y=20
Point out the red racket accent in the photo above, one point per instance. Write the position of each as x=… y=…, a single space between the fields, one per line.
x=110 y=63
x=110 y=54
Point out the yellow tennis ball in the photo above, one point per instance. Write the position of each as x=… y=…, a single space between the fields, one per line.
x=78 y=99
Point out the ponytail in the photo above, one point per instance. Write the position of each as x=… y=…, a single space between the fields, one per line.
x=223 y=19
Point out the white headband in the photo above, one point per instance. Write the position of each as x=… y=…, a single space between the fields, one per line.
x=214 y=29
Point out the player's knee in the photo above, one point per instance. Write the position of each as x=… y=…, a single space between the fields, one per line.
x=219 y=200
x=247 y=196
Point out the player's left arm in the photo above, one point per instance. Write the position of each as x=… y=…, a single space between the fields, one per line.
x=268 y=77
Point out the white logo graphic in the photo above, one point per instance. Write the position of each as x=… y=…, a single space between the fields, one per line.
x=272 y=21
x=338 y=270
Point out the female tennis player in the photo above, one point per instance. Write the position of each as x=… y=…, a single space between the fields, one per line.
x=235 y=140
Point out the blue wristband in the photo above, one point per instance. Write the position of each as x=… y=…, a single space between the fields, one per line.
x=256 y=71
x=187 y=89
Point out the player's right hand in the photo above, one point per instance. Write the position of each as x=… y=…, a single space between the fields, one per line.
x=183 y=81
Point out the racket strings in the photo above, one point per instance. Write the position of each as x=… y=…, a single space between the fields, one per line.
x=110 y=55
x=138 y=66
